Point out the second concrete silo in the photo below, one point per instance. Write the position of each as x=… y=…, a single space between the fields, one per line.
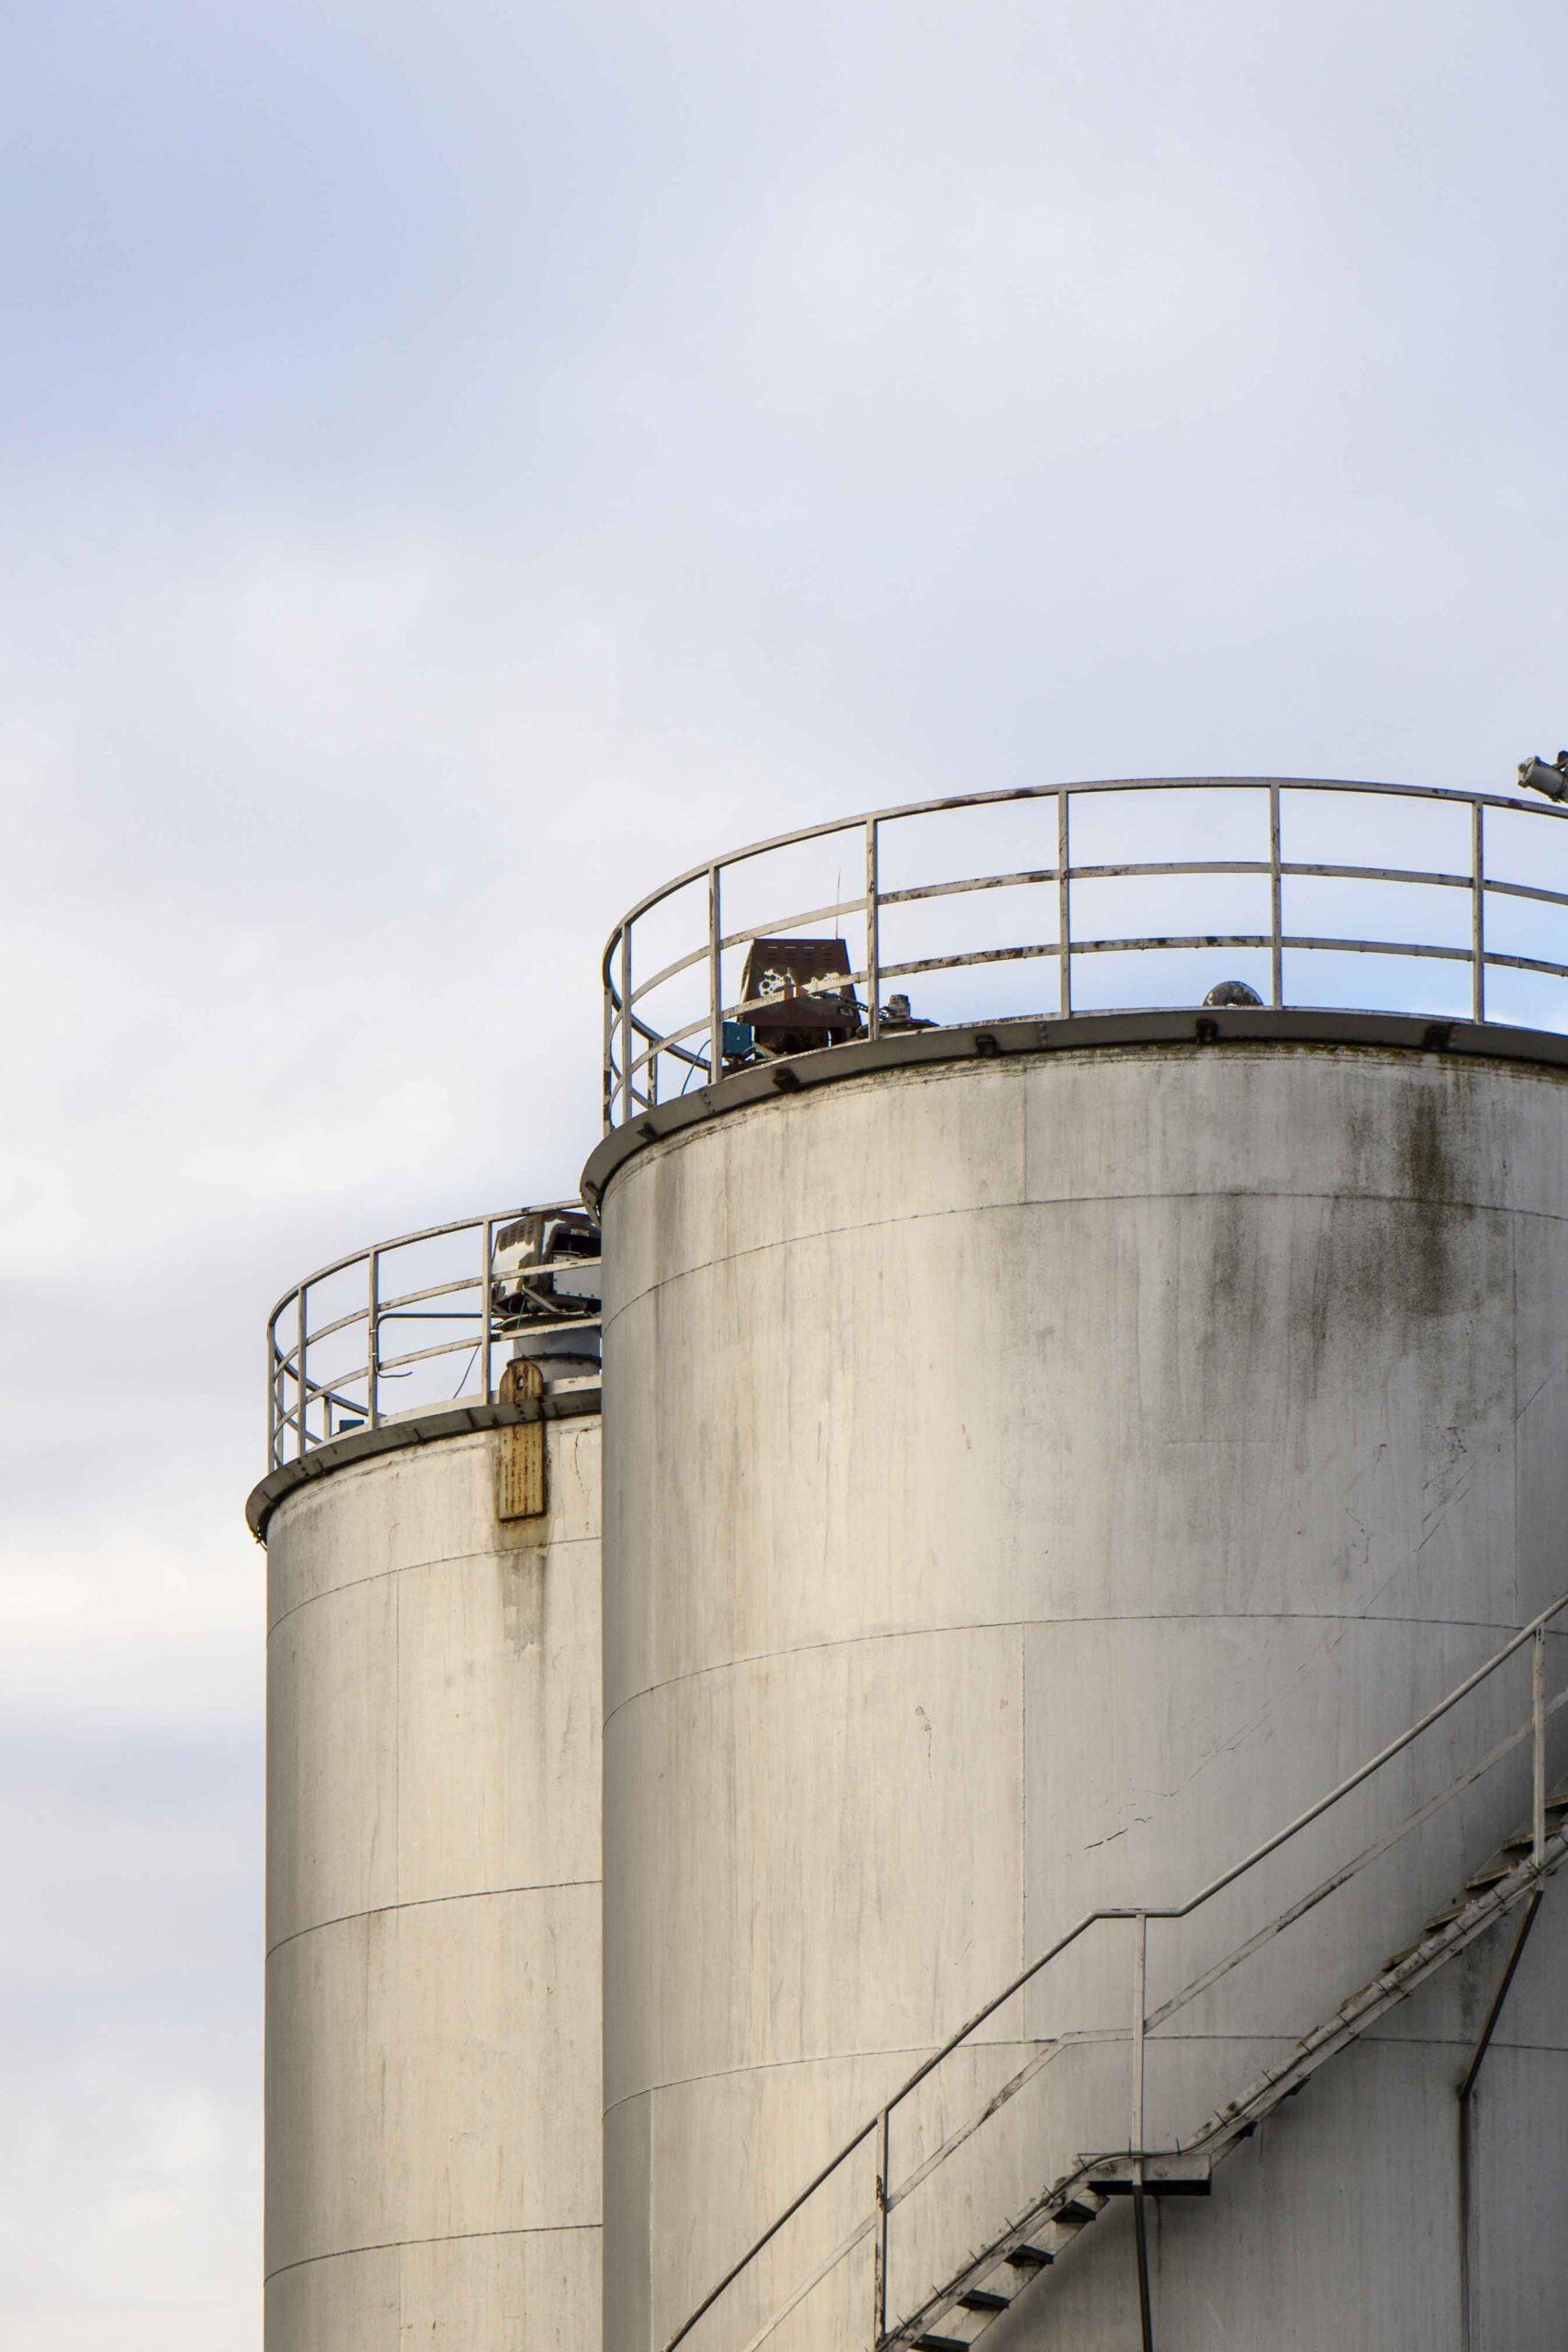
x=433 y=1835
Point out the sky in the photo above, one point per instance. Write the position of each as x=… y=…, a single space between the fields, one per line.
x=461 y=466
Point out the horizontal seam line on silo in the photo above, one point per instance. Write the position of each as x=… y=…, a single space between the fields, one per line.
x=774 y=2066
x=428 y=1902
x=1025 y=1624
x=447 y=2237
x=413 y=1568
x=917 y=2049
x=897 y=1220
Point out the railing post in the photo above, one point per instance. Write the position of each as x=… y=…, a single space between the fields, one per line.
x=1276 y=905
x=1537 y=1741
x=873 y=937
x=1064 y=905
x=879 y=2281
x=1477 y=912
x=609 y=1080
x=488 y=1287
x=301 y=1393
x=627 y=1034
x=373 y=1339
x=715 y=979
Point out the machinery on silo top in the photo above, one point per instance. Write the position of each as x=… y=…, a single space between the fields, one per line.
x=797 y=995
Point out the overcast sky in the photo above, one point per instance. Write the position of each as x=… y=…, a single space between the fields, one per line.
x=462 y=464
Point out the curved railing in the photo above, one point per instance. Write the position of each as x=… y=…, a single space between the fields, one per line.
x=377 y=1336
x=1121 y=1990
x=1295 y=884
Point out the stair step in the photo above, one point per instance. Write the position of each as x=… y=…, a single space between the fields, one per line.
x=1029 y=2258
x=1161 y=2185
x=1492 y=1875
x=1442 y=1918
x=941 y=2343
x=1075 y=2212
x=982 y=2298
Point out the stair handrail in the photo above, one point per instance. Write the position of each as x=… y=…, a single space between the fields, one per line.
x=877 y=2124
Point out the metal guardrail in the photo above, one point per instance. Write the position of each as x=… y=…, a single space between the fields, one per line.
x=670 y=968
x=448 y=1304
x=885 y=2330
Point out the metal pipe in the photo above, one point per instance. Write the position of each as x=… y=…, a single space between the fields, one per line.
x=1483 y=2043
x=1141 y=2241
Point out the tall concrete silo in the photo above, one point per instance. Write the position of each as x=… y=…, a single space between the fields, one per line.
x=1047 y=1456
x=433 y=2029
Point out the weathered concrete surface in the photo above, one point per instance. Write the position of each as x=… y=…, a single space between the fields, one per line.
x=1029 y=1483
x=434 y=1907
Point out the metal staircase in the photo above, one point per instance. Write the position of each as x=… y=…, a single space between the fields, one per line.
x=961 y=2294
x=1023 y=2255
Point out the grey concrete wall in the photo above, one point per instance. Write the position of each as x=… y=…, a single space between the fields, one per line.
x=432 y=2088
x=1028 y=1484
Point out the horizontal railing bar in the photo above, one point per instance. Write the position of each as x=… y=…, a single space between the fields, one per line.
x=1375 y=1764
x=745 y=939
x=1524 y=890
x=1291 y=868
x=1427 y=880
x=1176 y=944
x=1374 y=947
x=919 y=964
x=1051 y=792
x=424 y=1355
x=1047 y=2048
x=408 y=1240
x=1131 y=873
x=1173 y=942
x=960 y=889
x=1527 y=964
x=1193 y=939
x=1330 y=1885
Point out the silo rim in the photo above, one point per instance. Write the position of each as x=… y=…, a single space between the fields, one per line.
x=397 y=1436
x=1206 y=1026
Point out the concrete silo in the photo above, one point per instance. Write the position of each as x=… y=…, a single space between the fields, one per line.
x=434 y=1845
x=1044 y=1457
